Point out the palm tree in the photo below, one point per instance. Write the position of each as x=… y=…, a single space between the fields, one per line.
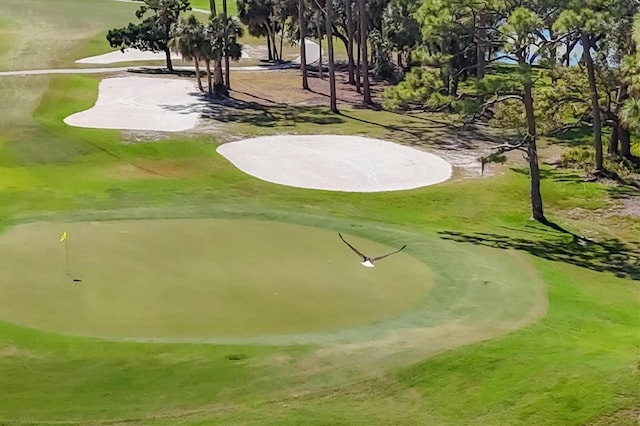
x=223 y=35
x=187 y=39
x=630 y=113
x=332 y=73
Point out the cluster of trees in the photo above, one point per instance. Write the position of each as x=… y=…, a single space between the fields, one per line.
x=162 y=29
x=370 y=31
x=359 y=24
x=458 y=60
x=450 y=56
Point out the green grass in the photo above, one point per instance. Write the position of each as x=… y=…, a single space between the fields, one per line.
x=8 y=30
x=571 y=363
x=586 y=336
x=54 y=27
x=232 y=6
x=200 y=279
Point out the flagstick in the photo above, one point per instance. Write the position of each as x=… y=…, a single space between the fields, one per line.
x=66 y=253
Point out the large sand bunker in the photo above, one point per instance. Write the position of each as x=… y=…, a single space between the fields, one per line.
x=336 y=163
x=142 y=103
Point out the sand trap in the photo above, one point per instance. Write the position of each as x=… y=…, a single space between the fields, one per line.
x=336 y=163
x=143 y=103
x=129 y=55
x=132 y=55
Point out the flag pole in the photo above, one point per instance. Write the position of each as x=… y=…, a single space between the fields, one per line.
x=65 y=239
x=66 y=253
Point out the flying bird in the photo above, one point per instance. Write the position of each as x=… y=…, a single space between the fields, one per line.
x=366 y=260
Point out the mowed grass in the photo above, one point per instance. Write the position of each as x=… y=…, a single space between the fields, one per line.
x=587 y=335
x=44 y=31
x=576 y=365
x=199 y=278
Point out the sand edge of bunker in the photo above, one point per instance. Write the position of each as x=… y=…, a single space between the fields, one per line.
x=346 y=163
x=404 y=332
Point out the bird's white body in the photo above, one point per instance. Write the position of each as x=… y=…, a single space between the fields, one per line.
x=368 y=264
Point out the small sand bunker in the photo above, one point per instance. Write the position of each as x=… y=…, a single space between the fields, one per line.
x=336 y=163
x=129 y=55
x=143 y=103
x=132 y=55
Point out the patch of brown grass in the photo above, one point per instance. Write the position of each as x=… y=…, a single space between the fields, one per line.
x=154 y=169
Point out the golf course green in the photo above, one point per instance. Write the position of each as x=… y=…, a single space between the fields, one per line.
x=223 y=280
x=199 y=278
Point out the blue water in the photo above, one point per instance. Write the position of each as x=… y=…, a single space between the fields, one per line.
x=576 y=53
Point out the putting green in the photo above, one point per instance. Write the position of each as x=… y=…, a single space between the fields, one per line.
x=199 y=278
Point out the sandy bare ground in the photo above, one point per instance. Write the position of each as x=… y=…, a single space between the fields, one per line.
x=143 y=103
x=336 y=163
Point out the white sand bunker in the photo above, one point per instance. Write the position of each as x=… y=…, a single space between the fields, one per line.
x=336 y=163
x=128 y=55
x=132 y=55
x=142 y=103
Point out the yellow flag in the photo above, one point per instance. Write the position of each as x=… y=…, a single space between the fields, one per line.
x=63 y=236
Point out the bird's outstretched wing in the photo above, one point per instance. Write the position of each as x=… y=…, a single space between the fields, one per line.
x=350 y=246
x=388 y=254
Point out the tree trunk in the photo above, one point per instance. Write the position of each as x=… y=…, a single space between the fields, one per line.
x=277 y=56
x=226 y=56
x=399 y=60
x=332 y=72
x=625 y=143
x=320 y=71
x=364 y=31
x=454 y=85
x=195 y=60
x=209 y=85
x=219 y=89
x=455 y=66
x=595 y=106
x=614 y=139
x=359 y=70
x=351 y=65
x=269 y=51
x=553 y=54
x=271 y=37
x=532 y=156
x=303 y=45
x=480 y=48
x=282 y=38
x=212 y=6
x=167 y=55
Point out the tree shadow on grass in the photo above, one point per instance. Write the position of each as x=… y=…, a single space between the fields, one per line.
x=610 y=255
x=630 y=190
x=621 y=188
x=441 y=135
